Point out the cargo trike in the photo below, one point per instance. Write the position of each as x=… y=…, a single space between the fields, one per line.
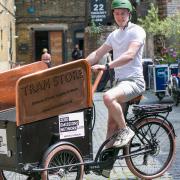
x=46 y=127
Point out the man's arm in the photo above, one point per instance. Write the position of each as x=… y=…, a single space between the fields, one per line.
x=96 y=55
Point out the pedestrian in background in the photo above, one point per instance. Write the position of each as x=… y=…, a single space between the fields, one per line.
x=46 y=57
x=77 y=53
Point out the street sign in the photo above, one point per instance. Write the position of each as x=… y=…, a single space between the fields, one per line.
x=98 y=11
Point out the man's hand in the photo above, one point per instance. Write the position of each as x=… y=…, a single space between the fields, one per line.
x=98 y=67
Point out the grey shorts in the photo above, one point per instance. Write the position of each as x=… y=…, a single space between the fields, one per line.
x=131 y=87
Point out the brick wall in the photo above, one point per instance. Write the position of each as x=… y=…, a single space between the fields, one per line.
x=52 y=10
x=24 y=44
x=43 y=14
x=162 y=6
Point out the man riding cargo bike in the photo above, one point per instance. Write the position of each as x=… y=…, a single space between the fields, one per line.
x=127 y=43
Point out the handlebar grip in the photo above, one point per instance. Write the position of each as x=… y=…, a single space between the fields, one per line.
x=97 y=80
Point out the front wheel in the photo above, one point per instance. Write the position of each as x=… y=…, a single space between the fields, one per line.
x=156 y=140
x=60 y=156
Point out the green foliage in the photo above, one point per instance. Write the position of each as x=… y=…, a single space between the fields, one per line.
x=171 y=26
x=151 y=22
x=171 y=30
x=94 y=29
x=168 y=27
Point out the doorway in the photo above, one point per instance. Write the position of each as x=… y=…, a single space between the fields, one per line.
x=79 y=39
x=41 y=41
x=53 y=41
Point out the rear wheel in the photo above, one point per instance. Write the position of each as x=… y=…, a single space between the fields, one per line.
x=161 y=148
x=61 y=156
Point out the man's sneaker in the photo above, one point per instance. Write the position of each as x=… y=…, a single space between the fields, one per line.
x=106 y=173
x=124 y=136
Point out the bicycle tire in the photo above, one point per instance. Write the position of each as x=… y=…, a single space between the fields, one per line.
x=63 y=155
x=162 y=155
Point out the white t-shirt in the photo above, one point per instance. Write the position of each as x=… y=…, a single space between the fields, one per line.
x=119 y=40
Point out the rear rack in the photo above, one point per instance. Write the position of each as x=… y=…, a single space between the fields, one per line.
x=152 y=109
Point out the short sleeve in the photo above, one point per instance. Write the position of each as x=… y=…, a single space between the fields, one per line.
x=138 y=35
x=108 y=40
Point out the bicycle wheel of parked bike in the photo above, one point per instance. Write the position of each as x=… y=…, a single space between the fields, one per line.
x=160 y=150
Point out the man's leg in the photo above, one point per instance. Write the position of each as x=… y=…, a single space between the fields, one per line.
x=115 y=110
x=112 y=126
x=113 y=100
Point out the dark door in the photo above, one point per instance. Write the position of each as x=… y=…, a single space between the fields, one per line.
x=41 y=41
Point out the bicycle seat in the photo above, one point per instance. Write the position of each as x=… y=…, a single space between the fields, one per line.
x=135 y=100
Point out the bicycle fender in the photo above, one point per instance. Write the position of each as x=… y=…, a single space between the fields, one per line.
x=60 y=144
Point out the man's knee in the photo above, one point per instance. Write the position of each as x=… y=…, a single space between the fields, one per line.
x=108 y=100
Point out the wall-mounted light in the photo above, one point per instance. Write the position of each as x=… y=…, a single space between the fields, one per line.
x=14 y=8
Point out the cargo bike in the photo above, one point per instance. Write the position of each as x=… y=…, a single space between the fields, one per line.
x=46 y=127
